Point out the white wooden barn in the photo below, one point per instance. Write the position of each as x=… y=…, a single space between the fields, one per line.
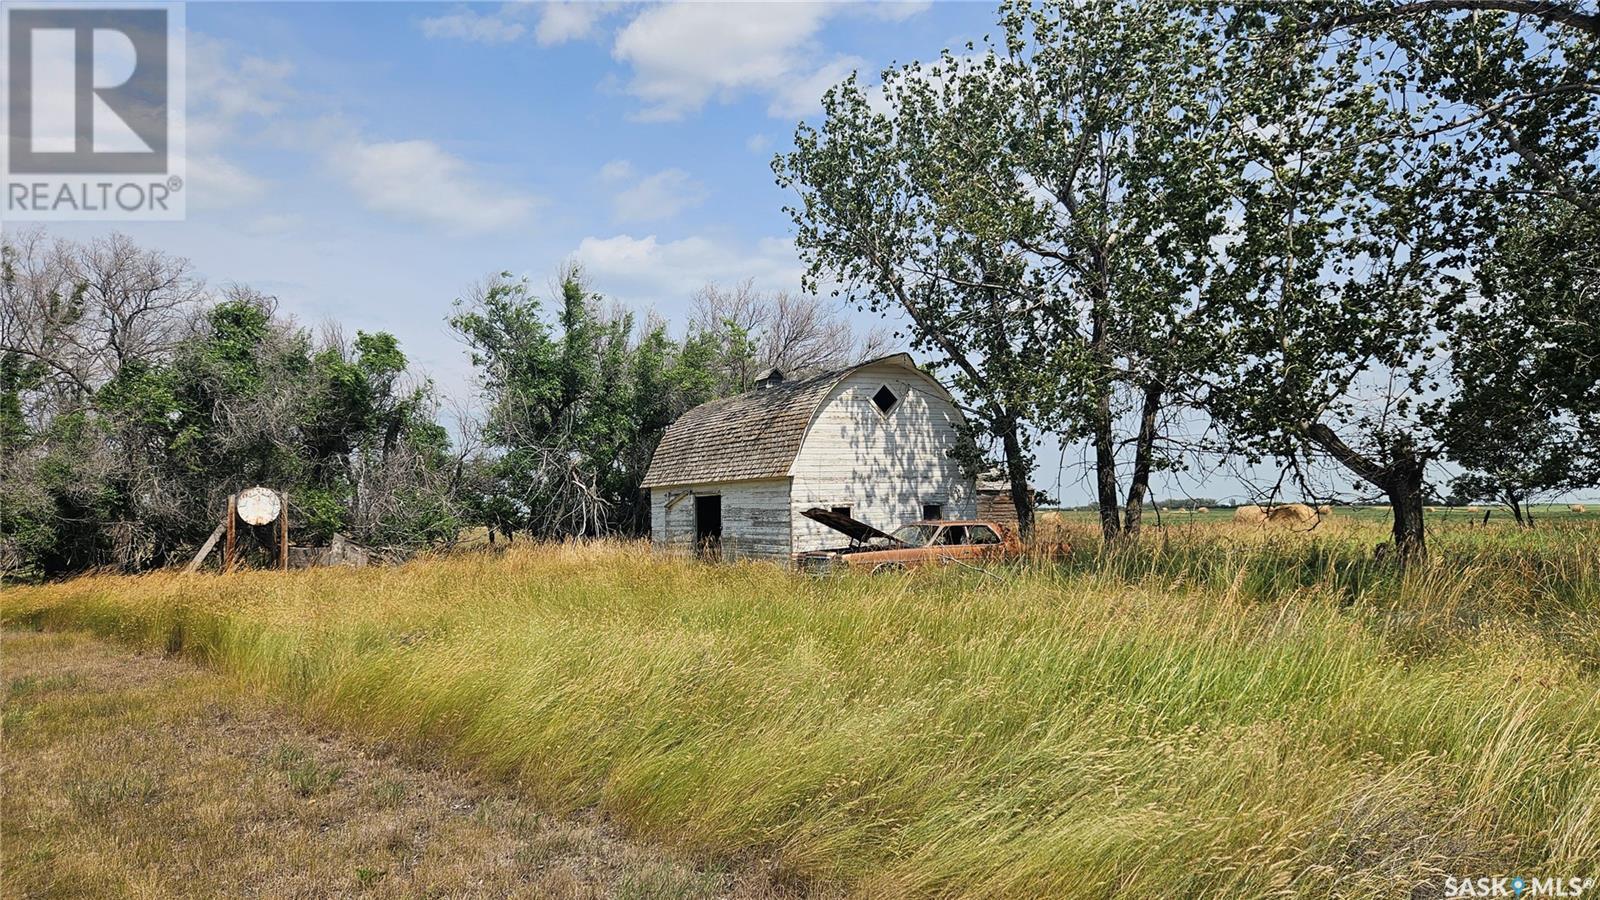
x=871 y=441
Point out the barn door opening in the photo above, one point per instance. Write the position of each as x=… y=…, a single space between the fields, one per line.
x=708 y=525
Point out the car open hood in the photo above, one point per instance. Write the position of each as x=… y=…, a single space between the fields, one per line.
x=857 y=531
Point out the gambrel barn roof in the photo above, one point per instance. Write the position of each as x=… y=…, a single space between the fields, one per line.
x=752 y=435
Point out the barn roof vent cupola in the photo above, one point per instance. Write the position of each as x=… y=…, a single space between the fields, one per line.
x=770 y=378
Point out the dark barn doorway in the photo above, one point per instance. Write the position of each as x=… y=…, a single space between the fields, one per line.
x=708 y=525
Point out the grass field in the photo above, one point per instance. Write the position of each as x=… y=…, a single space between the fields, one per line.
x=131 y=775
x=1230 y=711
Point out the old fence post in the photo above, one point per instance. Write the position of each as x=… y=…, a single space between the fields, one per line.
x=283 y=531
x=229 y=546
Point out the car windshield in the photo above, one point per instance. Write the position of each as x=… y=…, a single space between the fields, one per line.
x=916 y=535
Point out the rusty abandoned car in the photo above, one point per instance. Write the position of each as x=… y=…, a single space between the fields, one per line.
x=923 y=543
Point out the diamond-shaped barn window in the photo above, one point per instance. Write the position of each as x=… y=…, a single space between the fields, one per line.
x=885 y=400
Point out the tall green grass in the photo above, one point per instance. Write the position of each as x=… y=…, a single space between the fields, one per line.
x=1215 y=716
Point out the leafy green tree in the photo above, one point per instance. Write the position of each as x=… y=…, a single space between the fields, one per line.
x=1326 y=282
x=545 y=400
x=655 y=398
x=576 y=402
x=132 y=404
x=76 y=321
x=1385 y=151
x=1044 y=212
x=1525 y=419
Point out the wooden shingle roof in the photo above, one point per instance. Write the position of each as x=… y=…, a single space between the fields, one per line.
x=756 y=434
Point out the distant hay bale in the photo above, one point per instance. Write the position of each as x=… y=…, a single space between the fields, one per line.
x=1474 y=509
x=1249 y=515
x=1290 y=514
x=1577 y=508
x=1324 y=510
x=1202 y=509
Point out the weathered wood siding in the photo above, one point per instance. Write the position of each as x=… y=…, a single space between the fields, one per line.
x=996 y=506
x=755 y=518
x=883 y=467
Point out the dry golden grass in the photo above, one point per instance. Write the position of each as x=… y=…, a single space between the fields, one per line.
x=136 y=776
x=1218 y=711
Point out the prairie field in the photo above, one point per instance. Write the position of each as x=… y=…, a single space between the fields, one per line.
x=1221 y=710
x=138 y=775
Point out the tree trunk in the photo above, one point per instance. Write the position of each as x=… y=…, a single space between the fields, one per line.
x=1017 y=473
x=1516 y=508
x=1400 y=479
x=1405 y=497
x=1144 y=450
x=1105 y=468
x=1105 y=450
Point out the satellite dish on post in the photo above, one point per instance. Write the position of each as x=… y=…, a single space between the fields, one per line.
x=259 y=505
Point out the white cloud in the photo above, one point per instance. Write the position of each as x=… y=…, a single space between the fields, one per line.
x=659 y=196
x=685 y=55
x=758 y=143
x=559 y=21
x=646 y=269
x=237 y=100
x=225 y=84
x=231 y=96
x=800 y=96
x=213 y=182
x=420 y=180
x=895 y=10
x=616 y=170
x=498 y=27
x=564 y=21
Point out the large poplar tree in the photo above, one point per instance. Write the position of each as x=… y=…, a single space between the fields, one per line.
x=1393 y=157
x=1043 y=211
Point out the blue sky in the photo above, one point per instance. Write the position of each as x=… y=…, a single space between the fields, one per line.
x=367 y=162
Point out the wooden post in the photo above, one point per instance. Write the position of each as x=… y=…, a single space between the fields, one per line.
x=205 y=548
x=283 y=531
x=230 y=546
